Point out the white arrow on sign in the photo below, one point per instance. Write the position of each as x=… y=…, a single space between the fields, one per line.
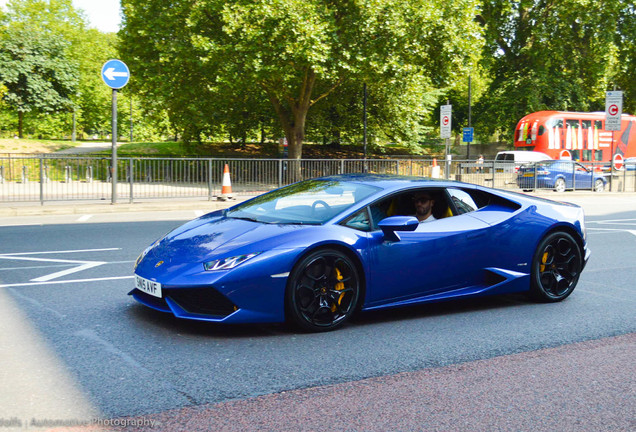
x=111 y=74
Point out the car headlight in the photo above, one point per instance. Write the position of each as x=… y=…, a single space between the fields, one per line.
x=227 y=263
x=144 y=253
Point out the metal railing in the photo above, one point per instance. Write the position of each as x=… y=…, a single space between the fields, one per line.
x=56 y=178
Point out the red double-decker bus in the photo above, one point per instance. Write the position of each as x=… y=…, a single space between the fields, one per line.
x=575 y=135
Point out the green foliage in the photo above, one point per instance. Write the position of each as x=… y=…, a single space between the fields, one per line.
x=556 y=55
x=37 y=72
x=215 y=63
x=257 y=70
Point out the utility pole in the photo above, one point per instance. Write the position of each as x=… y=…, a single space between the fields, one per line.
x=364 y=116
x=469 y=114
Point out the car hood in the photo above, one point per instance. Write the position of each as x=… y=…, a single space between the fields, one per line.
x=206 y=238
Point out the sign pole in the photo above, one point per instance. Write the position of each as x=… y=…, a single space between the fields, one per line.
x=469 y=114
x=113 y=176
x=613 y=114
x=364 y=115
x=445 y=132
x=115 y=75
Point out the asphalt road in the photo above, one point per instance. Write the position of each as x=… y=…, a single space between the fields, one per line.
x=77 y=347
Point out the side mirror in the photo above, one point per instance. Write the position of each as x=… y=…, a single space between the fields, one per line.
x=391 y=226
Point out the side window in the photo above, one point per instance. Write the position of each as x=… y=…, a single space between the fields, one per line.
x=359 y=221
x=463 y=202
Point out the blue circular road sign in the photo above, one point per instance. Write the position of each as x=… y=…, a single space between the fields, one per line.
x=115 y=74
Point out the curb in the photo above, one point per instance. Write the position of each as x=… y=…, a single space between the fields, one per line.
x=61 y=208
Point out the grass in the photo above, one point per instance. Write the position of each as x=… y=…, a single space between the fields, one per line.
x=14 y=145
x=214 y=149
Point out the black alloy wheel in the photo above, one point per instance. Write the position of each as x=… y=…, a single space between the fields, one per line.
x=323 y=291
x=556 y=267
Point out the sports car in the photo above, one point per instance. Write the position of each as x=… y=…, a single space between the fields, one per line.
x=315 y=252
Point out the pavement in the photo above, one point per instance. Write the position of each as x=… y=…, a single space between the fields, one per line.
x=88 y=147
x=569 y=388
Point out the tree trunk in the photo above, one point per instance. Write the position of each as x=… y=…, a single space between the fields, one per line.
x=292 y=120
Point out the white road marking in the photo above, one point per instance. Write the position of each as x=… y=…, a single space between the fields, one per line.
x=80 y=265
x=66 y=281
x=59 y=252
x=84 y=218
x=83 y=265
x=615 y=221
x=198 y=213
x=612 y=230
x=56 y=266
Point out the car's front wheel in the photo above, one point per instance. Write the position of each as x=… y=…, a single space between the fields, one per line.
x=322 y=291
x=556 y=267
x=559 y=185
x=599 y=185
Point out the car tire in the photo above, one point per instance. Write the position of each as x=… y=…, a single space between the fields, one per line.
x=559 y=185
x=323 y=291
x=556 y=267
x=599 y=185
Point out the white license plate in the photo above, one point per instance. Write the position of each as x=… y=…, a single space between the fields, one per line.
x=148 y=286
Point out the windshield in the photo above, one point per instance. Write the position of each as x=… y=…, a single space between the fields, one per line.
x=307 y=202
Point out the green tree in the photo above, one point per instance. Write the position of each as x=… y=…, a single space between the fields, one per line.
x=625 y=40
x=92 y=101
x=548 y=54
x=197 y=55
x=37 y=72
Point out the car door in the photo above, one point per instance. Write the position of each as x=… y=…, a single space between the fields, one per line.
x=582 y=177
x=438 y=256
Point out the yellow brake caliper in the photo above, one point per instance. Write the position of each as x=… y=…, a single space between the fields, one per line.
x=544 y=259
x=339 y=287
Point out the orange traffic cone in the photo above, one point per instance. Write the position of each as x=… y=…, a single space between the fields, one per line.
x=435 y=170
x=226 y=185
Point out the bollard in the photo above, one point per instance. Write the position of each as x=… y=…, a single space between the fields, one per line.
x=1 y=174
x=67 y=174
x=25 y=174
x=45 y=174
x=89 y=174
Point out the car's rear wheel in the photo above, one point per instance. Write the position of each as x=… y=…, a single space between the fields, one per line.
x=559 y=185
x=322 y=291
x=599 y=185
x=556 y=267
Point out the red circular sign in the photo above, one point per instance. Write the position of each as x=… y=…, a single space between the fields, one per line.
x=613 y=109
x=618 y=162
x=445 y=120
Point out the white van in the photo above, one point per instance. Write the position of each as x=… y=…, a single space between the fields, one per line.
x=510 y=161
